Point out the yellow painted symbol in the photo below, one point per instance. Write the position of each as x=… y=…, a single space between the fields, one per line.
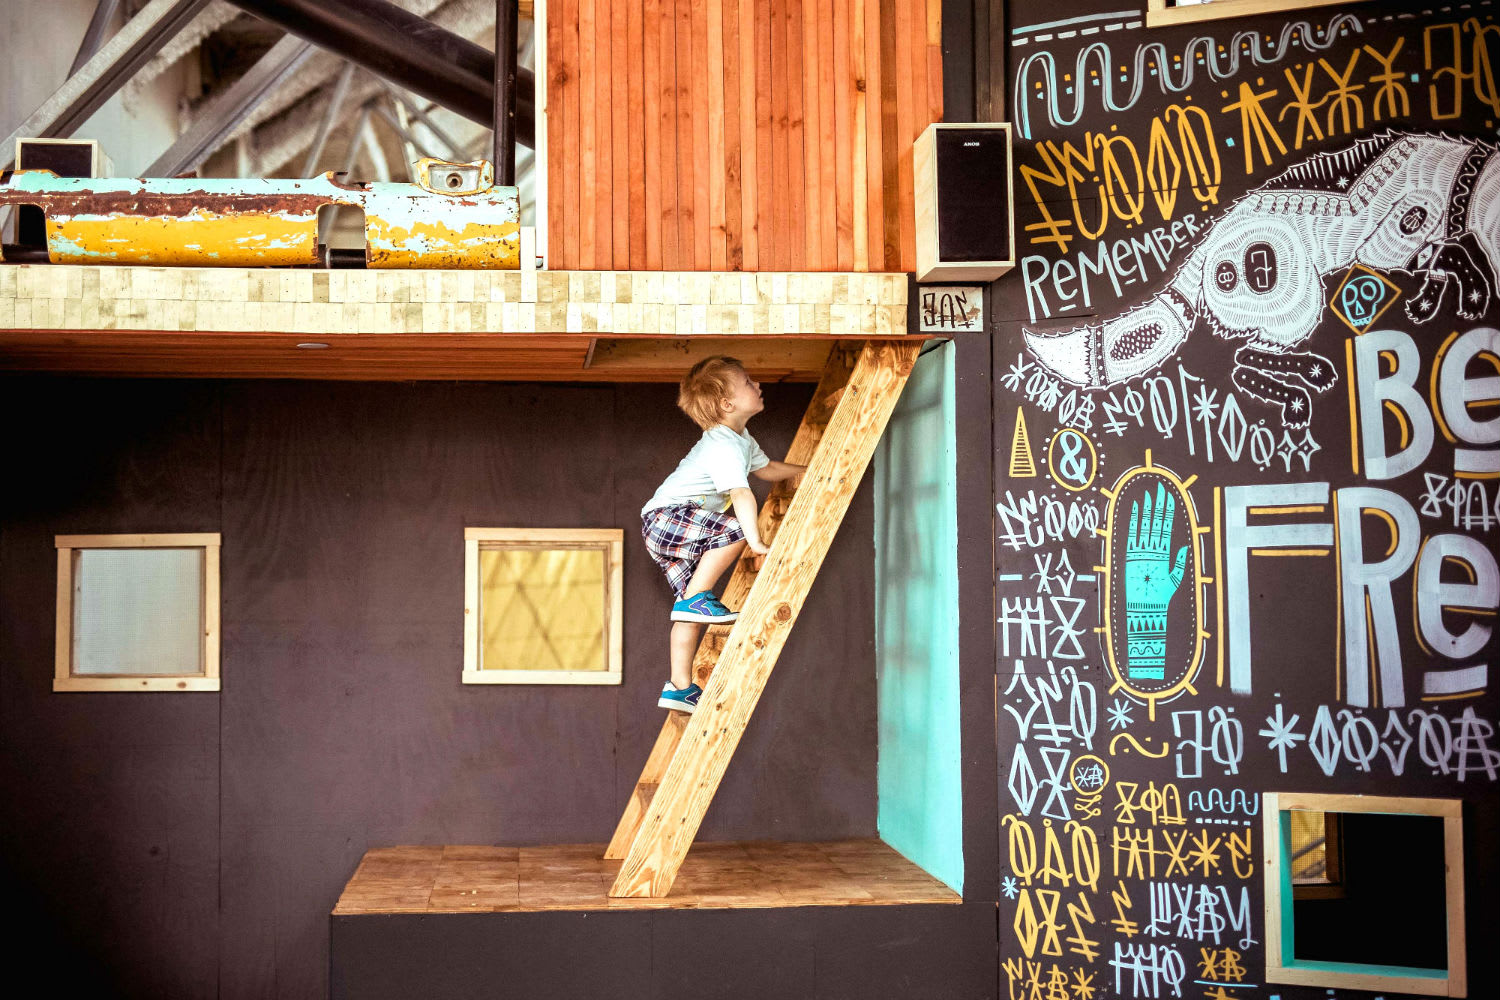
x=1022 y=465
x=1088 y=774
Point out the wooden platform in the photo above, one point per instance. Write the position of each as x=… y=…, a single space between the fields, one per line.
x=457 y=879
x=597 y=326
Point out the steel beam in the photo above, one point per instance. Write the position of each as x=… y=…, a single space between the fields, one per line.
x=408 y=150
x=93 y=35
x=96 y=82
x=376 y=152
x=335 y=105
x=402 y=132
x=455 y=148
x=507 y=14
x=225 y=111
x=357 y=138
x=409 y=51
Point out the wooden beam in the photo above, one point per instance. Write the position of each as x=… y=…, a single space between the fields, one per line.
x=768 y=360
x=804 y=443
x=402 y=357
x=676 y=809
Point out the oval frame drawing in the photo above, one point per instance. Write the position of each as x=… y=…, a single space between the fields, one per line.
x=1194 y=575
x=1093 y=458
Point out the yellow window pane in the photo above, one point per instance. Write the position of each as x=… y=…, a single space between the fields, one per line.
x=542 y=608
x=1309 y=848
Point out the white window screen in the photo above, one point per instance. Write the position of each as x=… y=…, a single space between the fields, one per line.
x=138 y=611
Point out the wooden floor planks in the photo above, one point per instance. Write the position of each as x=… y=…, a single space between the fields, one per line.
x=481 y=879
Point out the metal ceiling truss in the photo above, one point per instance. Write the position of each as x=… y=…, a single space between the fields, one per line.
x=407 y=50
x=98 y=80
x=93 y=35
x=228 y=109
x=404 y=49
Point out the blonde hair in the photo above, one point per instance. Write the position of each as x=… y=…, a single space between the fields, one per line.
x=704 y=385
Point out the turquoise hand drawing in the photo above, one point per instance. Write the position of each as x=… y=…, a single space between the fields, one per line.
x=1149 y=585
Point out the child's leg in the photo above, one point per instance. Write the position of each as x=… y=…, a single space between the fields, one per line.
x=684 y=646
x=685 y=635
x=712 y=566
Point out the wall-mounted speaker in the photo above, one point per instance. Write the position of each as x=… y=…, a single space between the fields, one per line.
x=65 y=158
x=964 y=202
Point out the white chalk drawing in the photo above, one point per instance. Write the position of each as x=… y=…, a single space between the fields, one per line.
x=1219 y=736
x=1024 y=785
x=1448 y=746
x=1337 y=522
x=1449 y=391
x=1199 y=913
x=1241 y=537
x=1144 y=969
x=1030 y=519
x=1055 y=694
x=1153 y=63
x=1228 y=801
x=1467 y=502
x=1424 y=203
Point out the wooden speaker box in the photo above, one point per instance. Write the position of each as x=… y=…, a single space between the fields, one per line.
x=963 y=202
x=65 y=158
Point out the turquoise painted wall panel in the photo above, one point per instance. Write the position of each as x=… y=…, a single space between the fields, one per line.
x=920 y=812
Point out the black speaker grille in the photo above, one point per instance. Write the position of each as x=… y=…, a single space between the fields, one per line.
x=65 y=159
x=973 y=195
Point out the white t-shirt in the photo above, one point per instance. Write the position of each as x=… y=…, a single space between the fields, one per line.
x=721 y=461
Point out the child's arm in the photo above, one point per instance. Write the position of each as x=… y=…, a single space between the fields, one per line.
x=778 y=472
x=748 y=512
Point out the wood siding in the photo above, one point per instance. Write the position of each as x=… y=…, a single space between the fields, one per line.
x=755 y=135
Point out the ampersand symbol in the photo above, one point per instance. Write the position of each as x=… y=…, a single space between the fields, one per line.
x=1072 y=464
x=1149 y=585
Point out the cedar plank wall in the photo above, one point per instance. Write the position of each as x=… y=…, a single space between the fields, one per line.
x=728 y=135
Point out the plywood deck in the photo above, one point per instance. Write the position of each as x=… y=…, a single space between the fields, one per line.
x=459 y=879
x=60 y=297
x=545 y=326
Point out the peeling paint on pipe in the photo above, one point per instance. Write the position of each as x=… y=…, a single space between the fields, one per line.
x=216 y=222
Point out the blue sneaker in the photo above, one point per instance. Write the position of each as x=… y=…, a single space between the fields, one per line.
x=704 y=607
x=685 y=700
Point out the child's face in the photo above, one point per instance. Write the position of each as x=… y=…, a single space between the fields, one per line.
x=745 y=399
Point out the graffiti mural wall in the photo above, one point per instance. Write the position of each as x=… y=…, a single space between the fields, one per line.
x=1247 y=413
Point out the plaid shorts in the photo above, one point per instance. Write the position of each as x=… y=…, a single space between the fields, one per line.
x=678 y=536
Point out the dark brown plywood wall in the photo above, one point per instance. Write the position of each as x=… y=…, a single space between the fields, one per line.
x=198 y=839
x=109 y=806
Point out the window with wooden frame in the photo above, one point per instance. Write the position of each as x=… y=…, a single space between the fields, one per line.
x=543 y=605
x=1316 y=855
x=1164 y=12
x=1397 y=923
x=137 y=612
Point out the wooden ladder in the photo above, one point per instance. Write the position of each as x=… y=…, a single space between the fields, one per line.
x=836 y=440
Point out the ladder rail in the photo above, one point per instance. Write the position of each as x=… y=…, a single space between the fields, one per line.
x=677 y=805
x=836 y=372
